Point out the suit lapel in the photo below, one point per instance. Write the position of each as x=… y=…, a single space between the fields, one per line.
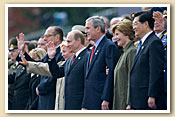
x=96 y=53
x=67 y=66
x=138 y=54
x=77 y=59
x=144 y=45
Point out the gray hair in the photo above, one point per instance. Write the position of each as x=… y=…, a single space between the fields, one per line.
x=97 y=21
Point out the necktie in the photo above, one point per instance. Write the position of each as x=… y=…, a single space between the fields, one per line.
x=139 y=46
x=92 y=53
x=73 y=59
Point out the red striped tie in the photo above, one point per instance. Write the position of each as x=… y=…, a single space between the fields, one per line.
x=92 y=53
x=73 y=59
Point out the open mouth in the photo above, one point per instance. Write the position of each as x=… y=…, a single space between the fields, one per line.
x=117 y=40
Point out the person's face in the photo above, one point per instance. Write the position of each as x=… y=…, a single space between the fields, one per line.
x=34 y=57
x=159 y=25
x=66 y=53
x=90 y=31
x=13 y=54
x=138 y=28
x=113 y=22
x=120 y=38
x=49 y=35
x=72 y=44
x=42 y=43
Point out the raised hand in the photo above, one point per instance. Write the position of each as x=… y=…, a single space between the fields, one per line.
x=21 y=42
x=158 y=17
x=51 y=49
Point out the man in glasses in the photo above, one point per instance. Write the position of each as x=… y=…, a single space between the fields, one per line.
x=47 y=87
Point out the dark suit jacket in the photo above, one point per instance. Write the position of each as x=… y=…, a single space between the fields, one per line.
x=147 y=74
x=74 y=79
x=98 y=85
x=47 y=86
x=21 y=81
x=32 y=103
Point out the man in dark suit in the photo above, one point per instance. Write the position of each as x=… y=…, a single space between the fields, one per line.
x=47 y=86
x=73 y=70
x=146 y=82
x=99 y=86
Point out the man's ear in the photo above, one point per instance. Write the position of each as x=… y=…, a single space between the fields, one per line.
x=57 y=36
x=79 y=39
x=146 y=24
x=98 y=28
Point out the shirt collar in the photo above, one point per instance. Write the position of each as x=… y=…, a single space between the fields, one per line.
x=16 y=63
x=145 y=36
x=58 y=46
x=79 y=51
x=98 y=41
x=158 y=34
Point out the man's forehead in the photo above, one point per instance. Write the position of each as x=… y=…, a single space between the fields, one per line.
x=136 y=19
x=50 y=30
x=89 y=22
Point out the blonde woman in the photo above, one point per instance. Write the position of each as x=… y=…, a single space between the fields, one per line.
x=123 y=33
x=59 y=101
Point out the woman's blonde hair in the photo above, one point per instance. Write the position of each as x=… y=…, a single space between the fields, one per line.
x=63 y=44
x=38 y=52
x=125 y=27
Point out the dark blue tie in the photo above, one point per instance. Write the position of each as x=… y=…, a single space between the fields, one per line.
x=139 y=46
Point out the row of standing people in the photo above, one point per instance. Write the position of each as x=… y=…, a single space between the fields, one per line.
x=87 y=86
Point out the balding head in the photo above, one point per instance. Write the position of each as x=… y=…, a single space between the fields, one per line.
x=114 y=21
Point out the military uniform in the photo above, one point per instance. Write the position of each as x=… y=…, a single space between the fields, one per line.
x=12 y=67
x=18 y=80
x=11 y=70
x=163 y=38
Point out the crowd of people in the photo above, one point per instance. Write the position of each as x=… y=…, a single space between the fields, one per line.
x=116 y=65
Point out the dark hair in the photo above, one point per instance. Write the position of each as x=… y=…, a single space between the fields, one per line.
x=58 y=30
x=79 y=34
x=31 y=46
x=146 y=16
